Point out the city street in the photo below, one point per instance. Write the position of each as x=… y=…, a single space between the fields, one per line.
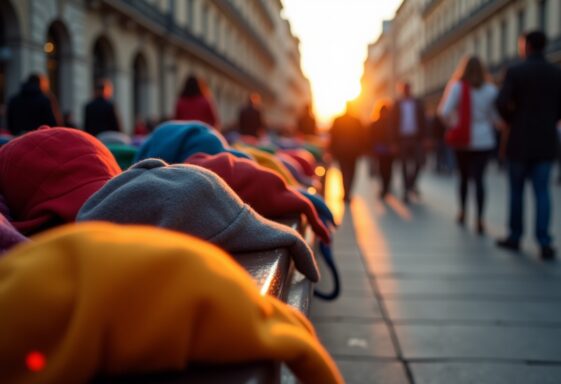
x=426 y=301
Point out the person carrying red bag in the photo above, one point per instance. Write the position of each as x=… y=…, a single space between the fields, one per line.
x=468 y=108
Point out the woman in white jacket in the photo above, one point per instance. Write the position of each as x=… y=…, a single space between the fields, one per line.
x=472 y=159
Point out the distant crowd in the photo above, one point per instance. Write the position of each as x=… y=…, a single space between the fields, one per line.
x=476 y=121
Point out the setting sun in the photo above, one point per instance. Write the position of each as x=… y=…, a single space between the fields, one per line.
x=334 y=35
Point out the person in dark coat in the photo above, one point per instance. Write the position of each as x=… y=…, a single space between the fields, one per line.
x=250 y=118
x=410 y=129
x=530 y=101
x=30 y=108
x=347 y=143
x=100 y=114
x=383 y=146
x=307 y=122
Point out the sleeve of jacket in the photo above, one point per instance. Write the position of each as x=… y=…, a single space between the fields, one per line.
x=115 y=122
x=422 y=119
x=505 y=99
x=50 y=117
x=10 y=126
x=394 y=121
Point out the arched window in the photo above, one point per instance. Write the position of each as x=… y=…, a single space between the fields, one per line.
x=10 y=64
x=140 y=88
x=58 y=51
x=3 y=61
x=542 y=15
x=103 y=60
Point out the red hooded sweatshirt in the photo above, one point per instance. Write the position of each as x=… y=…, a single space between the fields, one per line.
x=48 y=174
x=262 y=189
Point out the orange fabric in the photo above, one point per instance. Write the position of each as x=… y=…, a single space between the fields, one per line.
x=100 y=298
x=269 y=161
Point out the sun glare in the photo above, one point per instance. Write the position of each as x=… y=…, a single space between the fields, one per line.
x=334 y=37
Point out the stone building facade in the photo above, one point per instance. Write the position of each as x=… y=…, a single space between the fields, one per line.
x=379 y=72
x=450 y=29
x=148 y=48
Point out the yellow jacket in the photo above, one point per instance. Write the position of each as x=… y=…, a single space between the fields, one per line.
x=269 y=161
x=100 y=298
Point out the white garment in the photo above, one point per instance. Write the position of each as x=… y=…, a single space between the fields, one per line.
x=408 y=118
x=483 y=113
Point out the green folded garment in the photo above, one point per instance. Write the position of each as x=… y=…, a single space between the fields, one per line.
x=124 y=154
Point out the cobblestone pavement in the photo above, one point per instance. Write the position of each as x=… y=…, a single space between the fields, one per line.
x=425 y=301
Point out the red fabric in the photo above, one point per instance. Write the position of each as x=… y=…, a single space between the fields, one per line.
x=305 y=159
x=460 y=135
x=262 y=189
x=48 y=174
x=195 y=108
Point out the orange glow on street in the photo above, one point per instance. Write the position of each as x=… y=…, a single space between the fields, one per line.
x=334 y=35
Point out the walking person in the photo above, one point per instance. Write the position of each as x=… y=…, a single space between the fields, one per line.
x=409 y=123
x=250 y=118
x=195 y=103
x=383 y=146
x=100 y=114
x=346 y=144
x=470 y=101
x=530 y=102
x=559 y=153
x=307 y=122
x=30 y=108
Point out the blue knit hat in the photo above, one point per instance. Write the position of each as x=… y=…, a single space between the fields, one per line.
x=193 y=200
x=175 y=141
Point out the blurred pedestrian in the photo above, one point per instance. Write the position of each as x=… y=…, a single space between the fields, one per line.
x=383 y=145
x=29 y=108
x=347 y=143
x=410 y=126
x=250 y=118
x=195 y=103
x=530 y=101
x=470 y=100
x=307 y=122
x=559 y=153
x=100 y=114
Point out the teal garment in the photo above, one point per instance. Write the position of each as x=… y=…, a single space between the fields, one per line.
x=176 y=141
x=315 y=151
x=124 y=154
x=267 y=148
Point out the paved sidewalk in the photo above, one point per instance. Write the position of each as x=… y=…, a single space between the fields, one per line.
x=425 y=301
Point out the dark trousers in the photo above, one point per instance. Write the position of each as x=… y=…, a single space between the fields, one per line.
x=471 y=166
x=559 y=161
x=411 y=162
x=539 y=174
x=385 y=165
x=348 y=168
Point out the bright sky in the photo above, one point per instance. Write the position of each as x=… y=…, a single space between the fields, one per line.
x=334 y=36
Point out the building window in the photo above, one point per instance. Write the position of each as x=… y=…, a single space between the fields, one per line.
x=542 y=15
x=3 y=64
x=58 y=54
x=521 y=21
x=504 y=40
x=217 y=36
x=190 y=13
x=476 y=46
x=489 y=45
x=140 y=88
x=205 y=21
